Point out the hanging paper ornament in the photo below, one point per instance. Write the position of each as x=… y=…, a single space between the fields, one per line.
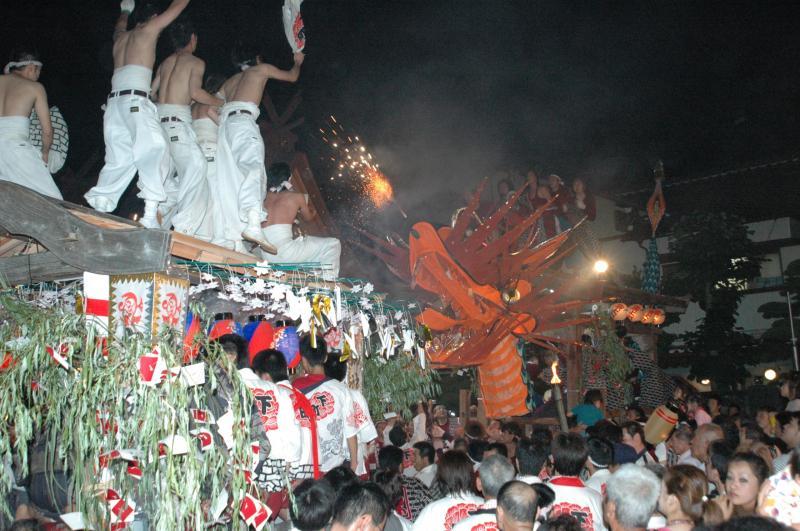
x=619 y=311
x=287 y=341
x=651 y=274
x=635 y=313
x=647 y=316
x=656 y=205
x=659 y=316
x=293 y=25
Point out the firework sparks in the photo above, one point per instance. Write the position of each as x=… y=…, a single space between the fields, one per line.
x=378 y=187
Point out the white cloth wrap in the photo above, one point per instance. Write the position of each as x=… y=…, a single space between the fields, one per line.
x=132 y=77
x=186 y=208
x=241 y=183
x=134 y=142
x=20 y=161
x=325 y=251
x=206 y=131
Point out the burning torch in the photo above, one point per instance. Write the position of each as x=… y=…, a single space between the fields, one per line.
x=555 y=381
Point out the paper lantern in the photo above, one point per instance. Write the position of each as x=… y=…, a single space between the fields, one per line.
x=660 y=424
x=659 y=317
x=262 y=338
x=288 y=342
x=619 y=311
x=647 y=316
x=635 y=313
x=252 y=324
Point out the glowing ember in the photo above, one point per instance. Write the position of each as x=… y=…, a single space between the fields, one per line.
x=378 y=187
x=555 y=379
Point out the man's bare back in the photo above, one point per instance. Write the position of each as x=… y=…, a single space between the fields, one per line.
x=179 y=81
x=138 y=45
x=20 y=94
x=249 y=85
x=283 y=208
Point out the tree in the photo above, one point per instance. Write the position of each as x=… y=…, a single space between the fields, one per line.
x=776 y=341
x=715 y=259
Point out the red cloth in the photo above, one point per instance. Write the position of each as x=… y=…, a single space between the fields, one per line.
x=307 y=380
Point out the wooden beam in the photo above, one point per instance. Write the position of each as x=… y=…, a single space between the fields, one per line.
x=39 y=267
x=78 y=242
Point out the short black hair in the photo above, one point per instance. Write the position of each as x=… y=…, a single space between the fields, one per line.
x=180 y=32
x=532 y=456
x=397 y=435
x=426 y=451
x=213 y=82
x=235 y=344
x=542 y=434
x=143 y=12
x=455 y=474
x=634 y=428
x=334 y=368
x=475 y=449
x=601 y=452
x=272 y=362
x=569 y=453
x=360 y=499
x=277 y=174
x=695 y=398
x=390 y=458
x=784 y=418
x=498 y=447
x=512 y=427
x=245 y=54
x=391 y=484
x=313 y=505
x=562 y=522
x=750 y=523
x=592 y=396
x=340 y=477
x=719 y=454
x=519 y=500
x=314 y=356
x=29 y=524
x=23 y=53
x=605 y=429
x=638 y=410
x=474 y=430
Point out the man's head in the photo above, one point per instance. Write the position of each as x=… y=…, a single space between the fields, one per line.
x=601 y=453
x=25 y=63
x=397 y=435
x=633 y=435
x=424 y=455
x=510 y=431
x=277 y=174
x=631 y=497
x=270 y=364
x=144 y=13
x=361 y=507
x=532 y=456
x=245 y=55
x=335 y=369
x=235 y=348
x=693 y=402
x=703 y=436
x=341 y=477
x=789 y=425
x=476 y=449
x=517 y=506
x=714 y=404
x=313 y=505
x=390 y=458
x=495 y=448
x=493 y=430
x=182 y=35
x=594 y=397
x=494 y=472
x=681 y=439
x=634 y=413
x=454 y=474
x=313 y=357
x=569 y=454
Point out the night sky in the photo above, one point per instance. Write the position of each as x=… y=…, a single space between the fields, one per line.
x=447 y=92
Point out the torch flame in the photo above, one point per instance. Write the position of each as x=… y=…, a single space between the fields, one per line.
x=555 y=379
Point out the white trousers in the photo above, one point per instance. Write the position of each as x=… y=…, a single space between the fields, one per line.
x=325 y=251
x=241 y=181
x=20 y=161
x=187 y=192
x=135 y=143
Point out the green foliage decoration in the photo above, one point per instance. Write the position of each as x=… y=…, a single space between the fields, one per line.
x=398 y=381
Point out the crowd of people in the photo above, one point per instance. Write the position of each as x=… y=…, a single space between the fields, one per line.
x=198 y=152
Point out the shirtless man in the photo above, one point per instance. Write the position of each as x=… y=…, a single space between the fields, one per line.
x=20 y=92
x=240 y=148
x=131 y=128
x=178 y=82
x=284 y=206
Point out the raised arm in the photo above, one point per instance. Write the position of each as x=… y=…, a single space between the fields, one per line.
x=197 y=93
x=43 y=112
x=290 y=76
x=160 y=22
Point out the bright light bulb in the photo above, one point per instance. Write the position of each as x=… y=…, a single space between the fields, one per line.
x=705 y=381
x=600 y=266
x=770 y=374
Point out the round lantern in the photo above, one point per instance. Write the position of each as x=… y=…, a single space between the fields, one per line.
x=659 y=317
x=619 y=311
x=635 y=313
x=647 y=316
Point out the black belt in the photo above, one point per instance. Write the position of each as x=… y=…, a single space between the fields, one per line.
x=210 y=159
x=240 y=111
x=170 y=119
x=128 y=92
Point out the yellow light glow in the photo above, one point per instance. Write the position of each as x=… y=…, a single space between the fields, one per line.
x=705 y=381
x=770 y=374
x=600 y=266
x=555 y=379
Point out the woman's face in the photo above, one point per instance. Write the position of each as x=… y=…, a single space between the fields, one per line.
x=664 y=505
x=742 y=484
x=785 y=390
x=578 y=186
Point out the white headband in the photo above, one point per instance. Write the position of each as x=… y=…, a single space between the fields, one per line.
x=14 y=64
x=285 y=185
x=244 y=66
